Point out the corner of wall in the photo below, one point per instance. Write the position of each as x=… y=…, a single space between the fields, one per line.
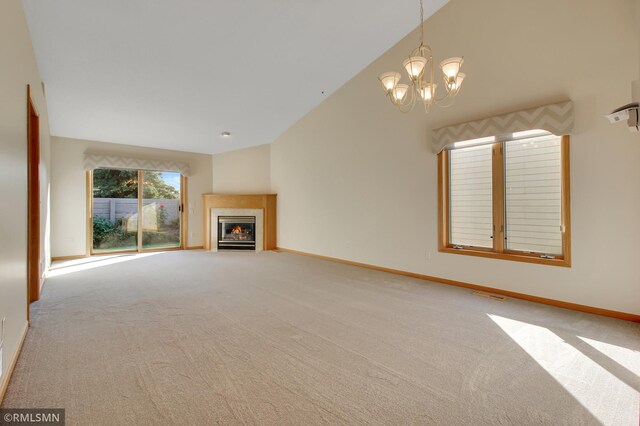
x=244 y=171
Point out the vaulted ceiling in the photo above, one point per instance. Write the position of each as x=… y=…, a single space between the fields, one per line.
x=174 y=74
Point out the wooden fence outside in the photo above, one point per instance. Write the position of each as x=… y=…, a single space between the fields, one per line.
x=113 y=209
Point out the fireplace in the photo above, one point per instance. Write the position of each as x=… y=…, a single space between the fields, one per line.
x=236 y=232
x=260 y=206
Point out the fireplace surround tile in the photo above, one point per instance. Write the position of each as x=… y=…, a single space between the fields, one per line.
x=258 y=213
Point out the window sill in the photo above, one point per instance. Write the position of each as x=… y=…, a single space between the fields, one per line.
x=508 y=256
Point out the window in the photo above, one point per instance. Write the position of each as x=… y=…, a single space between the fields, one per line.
x=135 y=210
x=470 y=197
x=507 y=198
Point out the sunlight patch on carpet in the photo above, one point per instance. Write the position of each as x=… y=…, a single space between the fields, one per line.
x=85 y=264
x=565 y=364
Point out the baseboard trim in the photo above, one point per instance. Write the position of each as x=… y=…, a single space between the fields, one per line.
x=552 y=302
x=14 y=360
x=195 y=248
x=73 y=257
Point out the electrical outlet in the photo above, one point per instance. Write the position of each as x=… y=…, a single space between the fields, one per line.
x=428 y=255
x=190 y=234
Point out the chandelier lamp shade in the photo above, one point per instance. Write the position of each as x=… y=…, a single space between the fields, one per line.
x=421 y=72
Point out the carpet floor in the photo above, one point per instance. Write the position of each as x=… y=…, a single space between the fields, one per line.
x=197 y=338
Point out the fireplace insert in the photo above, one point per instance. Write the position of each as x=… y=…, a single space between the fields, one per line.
x=236 y=232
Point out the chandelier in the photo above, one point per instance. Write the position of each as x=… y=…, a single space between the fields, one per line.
x=421 y=72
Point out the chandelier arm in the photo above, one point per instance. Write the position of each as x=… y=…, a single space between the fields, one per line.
x=446 y=101
x=445 y=106
x=408 y=106
x=405 y=110
x=394 y=102
x=426 y=107
x=432 y=74
x=442 y=99
x=450 y=94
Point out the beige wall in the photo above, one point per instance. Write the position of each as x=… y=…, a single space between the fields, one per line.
x=18 y=68
x=246 y=171
x=68 y=189
x=356 y=179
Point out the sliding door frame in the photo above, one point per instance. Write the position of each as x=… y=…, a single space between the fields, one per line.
x=139 y=249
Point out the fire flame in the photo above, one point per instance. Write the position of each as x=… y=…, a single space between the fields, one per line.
x=237 y=230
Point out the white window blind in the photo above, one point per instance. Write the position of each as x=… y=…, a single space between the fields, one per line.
x=533 y=195
x=470 y=203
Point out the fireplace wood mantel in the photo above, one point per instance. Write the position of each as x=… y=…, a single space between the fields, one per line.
x=266 y=202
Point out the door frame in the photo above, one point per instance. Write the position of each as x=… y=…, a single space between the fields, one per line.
x=139 y=249
x=34 y=275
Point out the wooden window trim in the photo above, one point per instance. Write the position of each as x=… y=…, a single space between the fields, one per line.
x=498 y=251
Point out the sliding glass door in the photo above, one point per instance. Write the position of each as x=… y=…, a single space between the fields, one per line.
x=160 y=210
x=135 y=210
x=115 y=210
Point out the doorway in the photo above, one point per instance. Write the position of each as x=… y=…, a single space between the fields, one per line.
x=136 y=210
x=33 y=208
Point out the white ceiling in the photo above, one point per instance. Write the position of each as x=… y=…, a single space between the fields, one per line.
x=175 y=74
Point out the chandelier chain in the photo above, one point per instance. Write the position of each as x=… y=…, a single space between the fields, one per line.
x=421 y=24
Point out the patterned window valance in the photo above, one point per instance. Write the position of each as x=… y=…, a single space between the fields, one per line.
x=95 y=161
x=555 y=118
